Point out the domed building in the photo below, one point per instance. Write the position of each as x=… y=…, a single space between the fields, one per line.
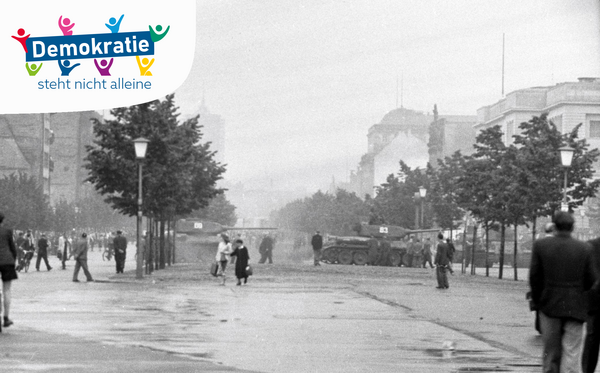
x=402 y=134
x=413 y=137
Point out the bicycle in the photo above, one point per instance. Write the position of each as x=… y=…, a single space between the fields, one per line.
x=25 y=261
x=107 y=254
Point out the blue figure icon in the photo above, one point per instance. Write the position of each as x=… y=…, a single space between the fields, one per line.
x=113 y=25
x=33 y=70
x=66 y=67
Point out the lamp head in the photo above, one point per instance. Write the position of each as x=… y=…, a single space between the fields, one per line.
x=566 y=155
x=141 y=145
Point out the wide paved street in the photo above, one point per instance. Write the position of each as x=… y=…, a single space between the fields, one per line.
x=291 y=317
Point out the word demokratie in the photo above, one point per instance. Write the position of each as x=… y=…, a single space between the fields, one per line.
x=89 y=46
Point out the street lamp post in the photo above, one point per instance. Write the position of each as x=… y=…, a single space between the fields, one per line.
x=566 y=157
x=140 y=144
x=422 y=194
x=417 y=197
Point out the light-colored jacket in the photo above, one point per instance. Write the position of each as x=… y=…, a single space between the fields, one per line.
x=223 y=251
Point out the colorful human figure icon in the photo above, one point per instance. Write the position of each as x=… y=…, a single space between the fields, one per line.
x=33 y=69
x=144 y=66
x=157 y=35
x=21 y=38
x=66 y=67
x=104 y=66
x=113 y=25
x=66 y=26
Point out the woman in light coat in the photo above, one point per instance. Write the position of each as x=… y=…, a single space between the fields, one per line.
x=222 y=256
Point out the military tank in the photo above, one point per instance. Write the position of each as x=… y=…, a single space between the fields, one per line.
x=355 y=249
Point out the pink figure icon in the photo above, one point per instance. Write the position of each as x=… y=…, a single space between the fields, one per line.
x=66 y=26
x=104 y=66
x=21 y=38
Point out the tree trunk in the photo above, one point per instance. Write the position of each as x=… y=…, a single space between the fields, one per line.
x=487 y=248
x=502 y=236
x=174 y=240
x=473 y=248
x=534 y=228
x=162 y=261
x=156 y=256
x=515 y=253
x=169 y=242
x=150 y=247
x=463 y=268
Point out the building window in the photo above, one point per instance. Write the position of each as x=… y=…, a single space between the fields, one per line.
x=595 y=128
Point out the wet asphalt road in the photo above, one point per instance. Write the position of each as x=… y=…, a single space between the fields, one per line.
x=292 y=317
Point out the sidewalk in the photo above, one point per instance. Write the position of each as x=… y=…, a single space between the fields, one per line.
x=28 y=346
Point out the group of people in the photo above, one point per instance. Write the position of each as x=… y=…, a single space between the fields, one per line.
x=13 y=250
x=225 y=251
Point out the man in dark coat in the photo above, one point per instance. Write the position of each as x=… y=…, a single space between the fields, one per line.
x=42 y=253
x=442 y=261
x=589 y=359
x=120 y=245
x=80 y=252
x=266 y=250
x=426 y=253
x=317 y=244
x=8 y=255
x=560 y=274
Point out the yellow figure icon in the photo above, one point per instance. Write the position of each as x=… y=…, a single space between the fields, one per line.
x=144 y=66
x=33 y=70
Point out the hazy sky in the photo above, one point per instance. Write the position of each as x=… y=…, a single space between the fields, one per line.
x=299 y=83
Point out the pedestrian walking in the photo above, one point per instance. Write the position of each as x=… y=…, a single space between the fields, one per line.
x=120 y=245
x=42 y=253
x=426 y=253
x=80 y=255
x=8 y=256
x=241 y=253
x=63 y=247
x=317 y=245
x=442 y=260
x=451 y=251
x=266 y=250
x=222 y=257
x=560 y=273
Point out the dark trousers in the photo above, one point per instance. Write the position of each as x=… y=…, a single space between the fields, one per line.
x=64 y=257
x=409 y=259
x=43 y=255
x=266 y=255
x=120 y=261
x=591 y=345
x=442 y=277
x=82 y=263
x=317 y=253
x=427 y=259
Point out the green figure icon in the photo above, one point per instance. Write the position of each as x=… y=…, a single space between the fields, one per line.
x=156 y=35
x=144 y=66
x=33 y=70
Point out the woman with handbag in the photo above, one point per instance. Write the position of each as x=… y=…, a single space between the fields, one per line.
x=241 y=252
x=222 y=257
